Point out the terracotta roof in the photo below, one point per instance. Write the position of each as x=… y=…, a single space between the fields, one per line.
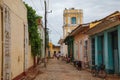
x=116 y=12
x=80 y=28
x=106 y=22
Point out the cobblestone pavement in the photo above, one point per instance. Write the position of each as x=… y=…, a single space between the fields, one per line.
x=59 y=70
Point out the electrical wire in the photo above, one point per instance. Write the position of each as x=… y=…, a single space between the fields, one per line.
x=55 y=27
x=55 y=30
x=41 y=5
x=36 y=8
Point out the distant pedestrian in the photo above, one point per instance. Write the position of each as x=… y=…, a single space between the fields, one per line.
x=54 y=55
x=58 y=55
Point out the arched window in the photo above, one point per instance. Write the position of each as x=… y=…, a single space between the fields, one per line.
x=73 y=20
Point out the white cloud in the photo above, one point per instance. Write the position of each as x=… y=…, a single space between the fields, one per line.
x=92 y=10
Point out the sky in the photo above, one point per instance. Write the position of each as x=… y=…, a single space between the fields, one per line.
x=92 y=10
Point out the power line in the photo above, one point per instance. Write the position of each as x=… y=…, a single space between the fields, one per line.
x=36 y=8
x=56 y=27
x=41 y=5
x=55 y=30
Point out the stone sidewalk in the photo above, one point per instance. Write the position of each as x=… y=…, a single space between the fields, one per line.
x=59 y=70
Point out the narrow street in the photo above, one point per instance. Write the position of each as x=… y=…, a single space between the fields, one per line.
x=59 y=70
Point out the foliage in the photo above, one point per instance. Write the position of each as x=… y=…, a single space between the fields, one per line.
x=34 y=37
x=47 y=38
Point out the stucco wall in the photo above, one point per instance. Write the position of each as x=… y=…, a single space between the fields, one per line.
x=30 y=57
x=17 y=45
x=0 y=45
x=68 y=14
x=18 y=18
x=79 y=44
x=65 y=50
x=18 y=8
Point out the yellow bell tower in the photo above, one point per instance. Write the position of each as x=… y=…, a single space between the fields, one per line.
x=71 y=19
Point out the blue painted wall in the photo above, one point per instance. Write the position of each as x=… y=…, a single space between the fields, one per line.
x=108 y=53
x=96 y=50
x=106 y=50
x=119 y=45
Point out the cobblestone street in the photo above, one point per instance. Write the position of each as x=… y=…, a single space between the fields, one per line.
x=59 y=70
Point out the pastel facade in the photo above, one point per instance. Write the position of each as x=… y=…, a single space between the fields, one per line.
x=1 y=49
x=71 y=19
x=14 y=40
x=53 y=49
x=77 y=42
x=62 y=48
x=105 y=43
x=81 y=45
x=42 y=36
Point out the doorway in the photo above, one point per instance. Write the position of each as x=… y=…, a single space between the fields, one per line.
x=93 y=50
x=101 y=49
x=114 y=46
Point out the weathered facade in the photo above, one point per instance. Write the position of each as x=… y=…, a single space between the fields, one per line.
x=14 y=40
x=77 y=42
x=71 y=19
x=42 y=36
x=105 y=43
x=61 y=41
x=52 y=49
x=81 y=44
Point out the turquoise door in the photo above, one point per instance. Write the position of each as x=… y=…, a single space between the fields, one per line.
x=115 y=51
x=101 y=50
x=93 y=51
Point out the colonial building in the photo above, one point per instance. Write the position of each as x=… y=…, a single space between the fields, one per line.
x=15 y=58
x=105 y=43
x=81 y=44
x=61 y=42
x=77 y=42
x=53 y=49
x=71 y=19
x=42 y=36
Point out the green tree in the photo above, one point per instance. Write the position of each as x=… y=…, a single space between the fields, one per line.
x=34 y=37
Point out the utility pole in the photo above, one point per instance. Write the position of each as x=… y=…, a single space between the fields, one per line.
x=45 y=33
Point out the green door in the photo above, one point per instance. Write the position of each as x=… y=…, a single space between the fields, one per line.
x=93 y=51
x=115 y=51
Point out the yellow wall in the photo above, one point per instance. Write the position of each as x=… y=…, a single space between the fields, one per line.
x=55 y=49
x=68 y=14
x=30 y=58
x=52 y=49
x=18 y=18
x=50 y=46
x=0 y=45
x=73 y=13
